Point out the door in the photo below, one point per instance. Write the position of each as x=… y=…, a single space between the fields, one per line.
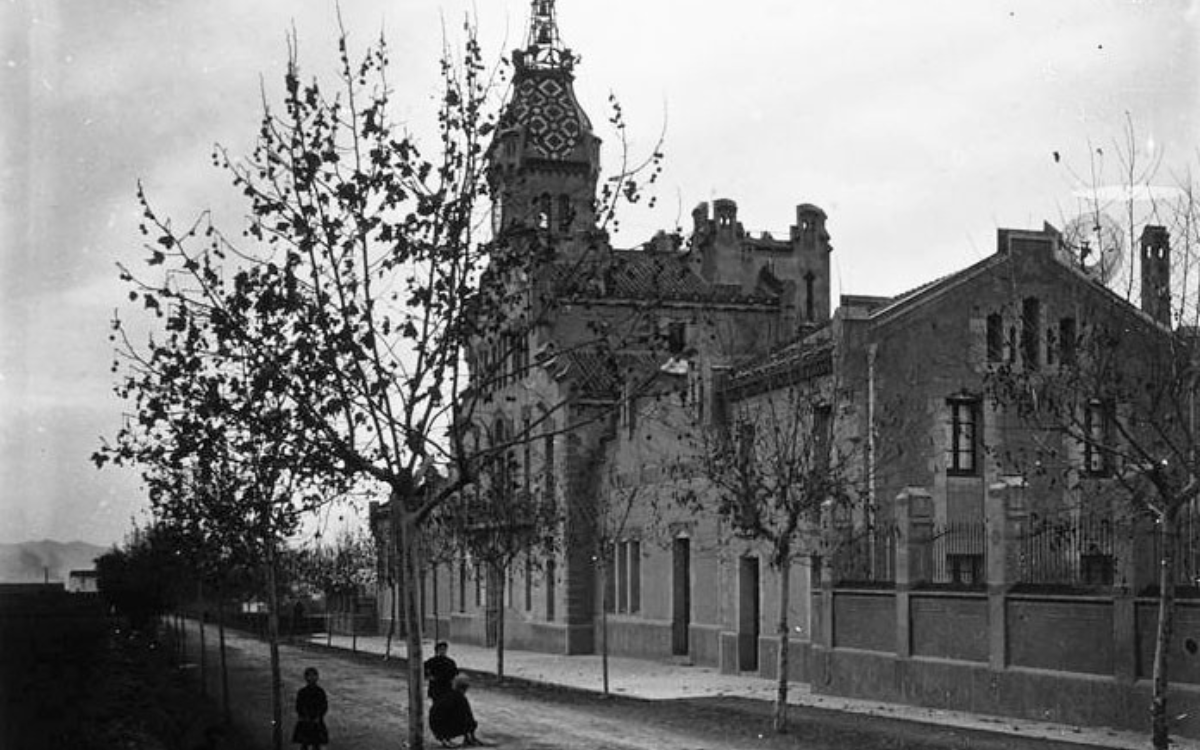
x=748 y=614
x=681 y=596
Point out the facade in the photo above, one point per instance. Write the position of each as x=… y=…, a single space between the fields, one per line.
x=984 y=566
x=605 y=352
x=994 y=566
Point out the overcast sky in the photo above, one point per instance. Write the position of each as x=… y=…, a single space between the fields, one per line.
x=920 y=127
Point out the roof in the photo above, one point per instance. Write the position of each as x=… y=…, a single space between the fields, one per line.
x=597 y=374
x=804 y=359
x=650 y=276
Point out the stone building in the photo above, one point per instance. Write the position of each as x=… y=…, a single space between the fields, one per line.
x=595 y=335
x=951 y=583
x=995 y=564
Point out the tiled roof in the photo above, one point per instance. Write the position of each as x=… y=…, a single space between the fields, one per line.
x=599 y=374
x=642 y=275
x=800 y=360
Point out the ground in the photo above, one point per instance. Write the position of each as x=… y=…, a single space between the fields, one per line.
x=367 y=708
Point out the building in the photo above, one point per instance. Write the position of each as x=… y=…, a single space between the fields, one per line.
x=598 y=337
x=964 y=577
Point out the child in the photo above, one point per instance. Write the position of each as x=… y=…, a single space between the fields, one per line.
x=311 y=706
x=451 y=715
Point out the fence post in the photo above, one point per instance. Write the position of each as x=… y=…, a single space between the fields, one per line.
x=1004 y=518
x=914 y=523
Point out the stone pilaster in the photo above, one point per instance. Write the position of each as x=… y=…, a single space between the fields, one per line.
x=914 y=525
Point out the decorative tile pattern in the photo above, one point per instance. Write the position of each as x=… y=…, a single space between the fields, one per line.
x=545 y=107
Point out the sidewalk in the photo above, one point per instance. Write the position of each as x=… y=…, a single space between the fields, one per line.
x=665 y=680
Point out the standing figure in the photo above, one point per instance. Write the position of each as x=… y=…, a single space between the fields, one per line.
x=440 y=671
x=311 y=705
x=451 y=715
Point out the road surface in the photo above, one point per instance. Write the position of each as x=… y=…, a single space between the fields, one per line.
x=367 y=711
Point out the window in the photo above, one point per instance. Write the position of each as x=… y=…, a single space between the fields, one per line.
x=544 y=206
x=1097 y=447
x=676 y=336
x=1066 y=341
x=528 y=581
x=565 y=213
x=810 y=307
x=625 y=578
x=462 y=584
x=628 y=409
x=548 y=466
x=964 y=443
x=478 y=585
x=995 y=337
x=526 y=461
x=822 y=428
x=550 y=590
x=1031 y=326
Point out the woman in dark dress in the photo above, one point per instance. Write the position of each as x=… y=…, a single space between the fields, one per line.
x=311 y=705
x=451 y=716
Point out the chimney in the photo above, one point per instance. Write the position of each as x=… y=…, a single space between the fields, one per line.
x=1156 y=273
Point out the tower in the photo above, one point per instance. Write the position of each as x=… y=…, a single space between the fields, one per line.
x=544 y=160
x=1156 y=273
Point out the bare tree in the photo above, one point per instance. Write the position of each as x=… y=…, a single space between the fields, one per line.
x=1116 y=411
x=773 y=468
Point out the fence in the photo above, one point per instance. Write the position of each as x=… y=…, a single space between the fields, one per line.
x=956 y=554
x=866 y=556
x=1075 y=550
x=1187 y=550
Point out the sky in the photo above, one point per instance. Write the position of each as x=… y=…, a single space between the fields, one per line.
x=920 y=127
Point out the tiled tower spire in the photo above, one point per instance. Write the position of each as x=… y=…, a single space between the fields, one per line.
x=544 y=160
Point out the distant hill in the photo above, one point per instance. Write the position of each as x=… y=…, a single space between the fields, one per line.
x=32 y=562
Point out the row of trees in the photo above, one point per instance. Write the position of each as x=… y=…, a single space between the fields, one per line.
x=162 y=570
x=321 y=354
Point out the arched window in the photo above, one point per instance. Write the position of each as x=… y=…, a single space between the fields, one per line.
x=566 y=215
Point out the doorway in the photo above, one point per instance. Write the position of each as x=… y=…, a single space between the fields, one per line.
x=681 y=596
x=748 y=614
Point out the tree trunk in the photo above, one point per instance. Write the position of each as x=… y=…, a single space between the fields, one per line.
x=203 y=652
x=225 y=711
x=603 y=571
x=497 y=607
x=437 y=623
x=410 y=565
x=1159 y=721
x=273 y=641
x=387 y=650
x=785 y=575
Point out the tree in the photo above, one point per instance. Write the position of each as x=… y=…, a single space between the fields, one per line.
x=773 y=469
x=614 y=508
x=499 y=519
x=340 y=571
x=1117 y=410
x=142 y=580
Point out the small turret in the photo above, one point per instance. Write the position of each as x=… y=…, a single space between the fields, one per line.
x=810 y=227
x=725 y=211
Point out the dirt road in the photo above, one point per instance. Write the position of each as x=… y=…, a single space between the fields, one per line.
x=367 y=707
